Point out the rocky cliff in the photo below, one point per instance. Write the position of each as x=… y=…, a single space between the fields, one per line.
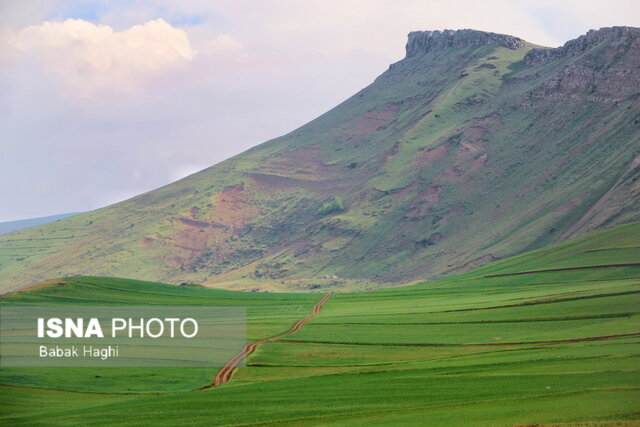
x=421 y=42
x=602 y=65
x=620 y=36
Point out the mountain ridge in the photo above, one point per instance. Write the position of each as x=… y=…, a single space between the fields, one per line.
x=454 y=157
x=419 y=42
x=539 y=56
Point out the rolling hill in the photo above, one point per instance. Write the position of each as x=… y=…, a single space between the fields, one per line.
x=549 y=336
x=9 y=226
x=474 y=147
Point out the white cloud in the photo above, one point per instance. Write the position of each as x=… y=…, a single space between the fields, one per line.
x=90 y=58
x=182 y=171
x=224 y=43
x=223 y=53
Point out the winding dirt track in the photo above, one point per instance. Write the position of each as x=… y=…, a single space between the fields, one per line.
x=224 y=374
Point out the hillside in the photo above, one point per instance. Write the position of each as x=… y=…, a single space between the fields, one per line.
x=490 y=347
x=475 y=147
x=9 y=226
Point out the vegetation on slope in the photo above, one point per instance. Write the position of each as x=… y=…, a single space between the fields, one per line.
x=332 y=206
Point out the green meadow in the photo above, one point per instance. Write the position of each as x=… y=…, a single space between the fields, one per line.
x=490 y=347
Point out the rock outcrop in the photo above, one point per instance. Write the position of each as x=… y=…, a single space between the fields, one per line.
x=421 y=42
x=575 y=47
x=601 y=66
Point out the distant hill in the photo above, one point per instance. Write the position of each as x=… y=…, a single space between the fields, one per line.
x=474 y=147
x=9 y=226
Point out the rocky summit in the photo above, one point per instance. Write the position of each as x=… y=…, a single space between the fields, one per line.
x=474 y=147
x=617 y=35
x=420 y=42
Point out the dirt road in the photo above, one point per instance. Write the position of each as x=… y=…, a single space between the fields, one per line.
x=224 y=374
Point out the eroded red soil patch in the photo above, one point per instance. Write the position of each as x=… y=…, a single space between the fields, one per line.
x=303 y=164
x=428 y=157
x=424 y=201
x=370 y=122
x=230 y=211
x=469 y=148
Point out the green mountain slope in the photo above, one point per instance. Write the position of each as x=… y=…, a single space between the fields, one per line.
x=473 y=148
x=517 y=349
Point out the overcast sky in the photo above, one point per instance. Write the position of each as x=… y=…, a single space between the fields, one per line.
x=103 y=100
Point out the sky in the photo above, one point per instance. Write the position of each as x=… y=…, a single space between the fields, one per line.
x=104 y=100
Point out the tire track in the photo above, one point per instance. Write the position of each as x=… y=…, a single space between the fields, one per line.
x=224 y=374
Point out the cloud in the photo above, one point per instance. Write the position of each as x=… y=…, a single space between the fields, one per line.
x=89 y=58
x=182 y=171
x=224 y=43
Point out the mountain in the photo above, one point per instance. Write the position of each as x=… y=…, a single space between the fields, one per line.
x=474 y=147
x=9 y=226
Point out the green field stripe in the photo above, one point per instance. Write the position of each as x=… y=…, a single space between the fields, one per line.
x=70 y=390
x=358 y=415
x=471 y=322
x=497 y=344
x=634 y=264
x=612 y=294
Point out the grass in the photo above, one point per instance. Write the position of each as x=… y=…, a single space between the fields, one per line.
x=550 y=347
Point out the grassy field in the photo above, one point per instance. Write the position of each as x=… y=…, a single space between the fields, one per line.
x=543 y=347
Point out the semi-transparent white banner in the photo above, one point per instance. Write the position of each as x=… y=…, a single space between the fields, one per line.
x=120 y=335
